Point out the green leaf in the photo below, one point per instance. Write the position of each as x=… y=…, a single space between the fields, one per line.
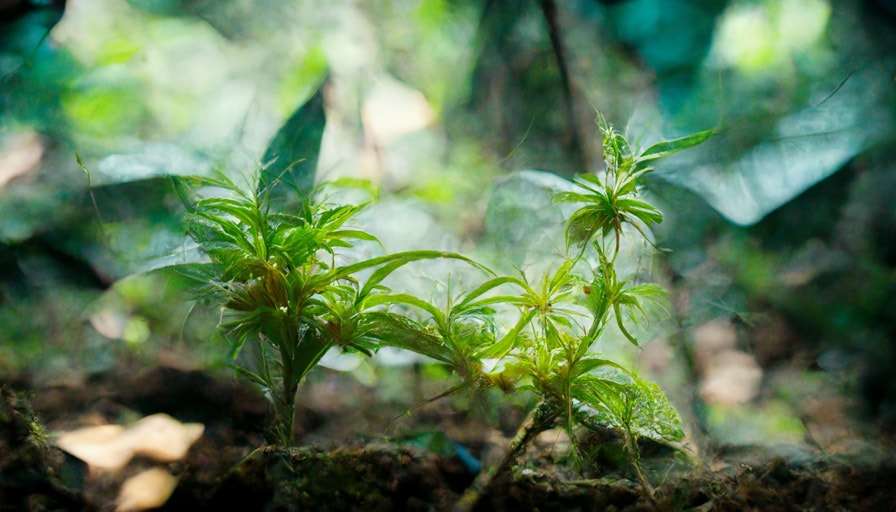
x=197 y=272
x=331 y=218
x=642 y=210
x=609 y=394
x=562 y=275
x=621 y=399
x=356 y=234
x=402 y=332
x=310 y=350
x=654 y=416
x=244 y=211
x=573 y=197
x=291 y=156
x=668 y=147
x=621 y=326
x=650 y=291
x=469 y=298
x=589 y=364
x=407 y=299
x=297 y=245
x=252 y=376
x=183 y=190
x=586 y=222
x=392 y=262
x=503 y=346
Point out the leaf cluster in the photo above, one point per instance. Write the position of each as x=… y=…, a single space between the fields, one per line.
x=290 y=290
x=284 y=282
x=550 y=348
x=570 y=314
x=563 y=316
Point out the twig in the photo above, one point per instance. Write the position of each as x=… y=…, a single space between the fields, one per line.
x=538 y=420
x=549 y=8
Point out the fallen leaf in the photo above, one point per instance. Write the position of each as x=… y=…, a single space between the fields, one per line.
x=110 y=447
x=102 y=447
x=163 y=438
x=146 y=490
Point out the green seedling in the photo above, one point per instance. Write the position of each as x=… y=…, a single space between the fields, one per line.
x=290 y=293
x=287 y=290
x=565 y=317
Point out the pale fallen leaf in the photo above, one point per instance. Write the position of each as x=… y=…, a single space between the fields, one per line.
x=163 y=438
x=110 y=447
x=102 y=447
x=146 y=490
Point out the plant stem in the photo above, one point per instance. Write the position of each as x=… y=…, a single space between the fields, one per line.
x=631 y=446
x=539 y=419
x=288 y=414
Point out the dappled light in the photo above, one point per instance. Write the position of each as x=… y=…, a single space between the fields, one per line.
x=767 y=37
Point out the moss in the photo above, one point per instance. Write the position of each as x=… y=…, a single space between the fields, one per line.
x=30 y=469
x=376 y=477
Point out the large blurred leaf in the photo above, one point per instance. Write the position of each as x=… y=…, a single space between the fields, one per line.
x=33 y=70
x=748 y=171
x=793 y=102
x=132 y=227
x=150 y=160
x=291 y=158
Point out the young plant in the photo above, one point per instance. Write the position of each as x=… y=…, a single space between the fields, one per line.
x=287 y=290
x=566 y=316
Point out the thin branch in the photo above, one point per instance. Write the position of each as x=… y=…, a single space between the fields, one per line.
x=549 y=8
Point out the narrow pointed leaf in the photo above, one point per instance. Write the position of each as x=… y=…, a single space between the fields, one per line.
x=392 y=262
x=669 y=147
x=507 y=342
x=291 y=156
x=407 y=299
x=252 y=376
x=483 y=288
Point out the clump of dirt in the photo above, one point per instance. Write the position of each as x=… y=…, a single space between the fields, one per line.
x=377 y=477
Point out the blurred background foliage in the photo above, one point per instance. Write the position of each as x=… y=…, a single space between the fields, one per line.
x=782 y=224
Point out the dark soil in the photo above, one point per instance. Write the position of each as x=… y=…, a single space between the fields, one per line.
x=335 y=469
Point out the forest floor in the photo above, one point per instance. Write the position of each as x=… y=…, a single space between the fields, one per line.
x=357 y=453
